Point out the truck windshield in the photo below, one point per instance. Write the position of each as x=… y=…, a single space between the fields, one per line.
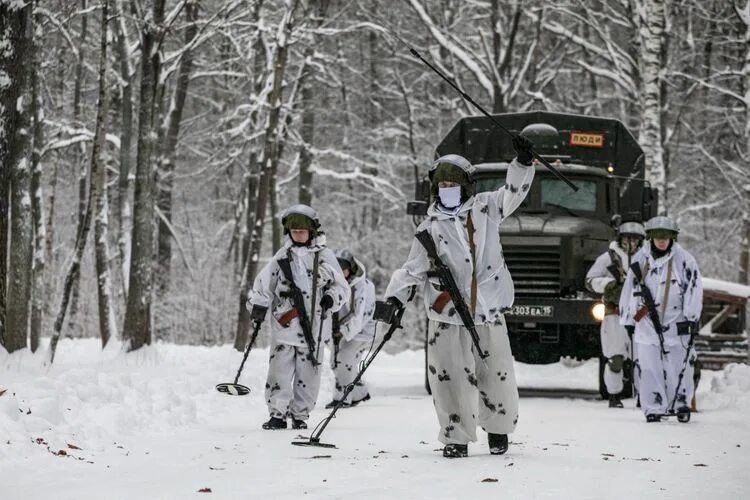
x=556 y=193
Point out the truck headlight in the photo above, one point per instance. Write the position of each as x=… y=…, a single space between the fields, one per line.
x=597 y=311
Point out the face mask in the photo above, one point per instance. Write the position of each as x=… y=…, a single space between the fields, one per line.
x=450 y=197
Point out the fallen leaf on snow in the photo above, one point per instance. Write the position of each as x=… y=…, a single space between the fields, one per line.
x=204 y=490
x=321 y=456
x=700 y=465
x=73 y=447
x=489 y=480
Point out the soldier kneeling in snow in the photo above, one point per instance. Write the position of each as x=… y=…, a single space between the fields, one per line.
x=301 y=285
x=665 y=356
x=353 y=332
x=607 y=276
x=464 y=228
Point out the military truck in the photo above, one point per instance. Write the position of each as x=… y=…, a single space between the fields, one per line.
x=552 y=240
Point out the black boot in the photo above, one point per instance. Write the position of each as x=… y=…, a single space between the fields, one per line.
x=653 y=418
x=615 y=401
x=683 y=414
x=275 y=424
x=498 y=443
x=365 y=398
x=456 y=450
x=298 y=424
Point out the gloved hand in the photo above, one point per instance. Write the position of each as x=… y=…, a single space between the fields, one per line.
x=612 y=292
x=258 y=313
x=523 y=148
x=326 y=302
x=386 y=311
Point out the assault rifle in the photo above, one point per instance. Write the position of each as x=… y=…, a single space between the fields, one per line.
x=653 y=314
x=443 y=273
x=298 y=301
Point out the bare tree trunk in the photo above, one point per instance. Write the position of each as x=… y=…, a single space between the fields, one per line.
x=80 y=158
x=107 y=323
x=744 y=267
x=307 y=96
x=38 y=285
x=15 y=38
x=94 y=194
x=269 y=151
x=123 y=216
x=652 y=40
x=137 y=330
x=167 y=160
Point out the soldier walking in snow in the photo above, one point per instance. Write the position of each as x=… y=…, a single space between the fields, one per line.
x=470 y=369
x=661 y=303
x=302 y=285
x=606 y=277
x=353 y=331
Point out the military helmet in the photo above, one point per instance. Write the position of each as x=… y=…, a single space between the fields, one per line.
x=631 y=228
x=347 y=260
x=302 y=215
x=543 y=136
x=662 y=227
x=455 y=160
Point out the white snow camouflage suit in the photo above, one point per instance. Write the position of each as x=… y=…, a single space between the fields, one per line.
x=293 y=381
x=614 y=337
x=358 y=332
x=456 y=372
x=659 y=373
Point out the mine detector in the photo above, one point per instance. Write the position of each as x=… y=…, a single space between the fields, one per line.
x=554 y=237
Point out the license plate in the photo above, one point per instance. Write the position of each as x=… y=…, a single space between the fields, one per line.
x=538 y=311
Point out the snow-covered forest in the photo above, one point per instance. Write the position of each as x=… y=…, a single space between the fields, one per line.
x=149 y=146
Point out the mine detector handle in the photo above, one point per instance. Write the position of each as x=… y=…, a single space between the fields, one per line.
x=441 y=271
x=648 y=298
x=298 y=301
x=466 y=96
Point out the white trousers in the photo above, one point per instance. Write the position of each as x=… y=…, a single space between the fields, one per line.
x=465 y=391
x=659 y=376
x=345 y=367
x=615 y=342
x=293 y=382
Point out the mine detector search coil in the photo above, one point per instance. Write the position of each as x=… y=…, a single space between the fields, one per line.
x=468 y=98
x=233 y=388
x=314 y=439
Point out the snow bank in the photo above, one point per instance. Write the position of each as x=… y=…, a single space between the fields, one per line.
x=91 y=397
x=729 y=389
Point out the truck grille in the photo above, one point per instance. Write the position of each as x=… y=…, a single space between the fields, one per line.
x=535 y=269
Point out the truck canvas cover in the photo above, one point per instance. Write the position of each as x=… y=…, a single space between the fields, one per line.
x=584 y=140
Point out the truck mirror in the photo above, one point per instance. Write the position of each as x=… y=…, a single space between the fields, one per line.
x=417 y=207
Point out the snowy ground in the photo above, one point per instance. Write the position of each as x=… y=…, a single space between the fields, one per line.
x=150 y=425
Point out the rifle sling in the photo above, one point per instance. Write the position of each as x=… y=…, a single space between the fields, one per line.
x=473 y=248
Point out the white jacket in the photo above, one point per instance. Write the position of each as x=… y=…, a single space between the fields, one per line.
x=355 y=316
x=270 y=285
x=494 y=285
x=685 y=300
x=599 y=276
